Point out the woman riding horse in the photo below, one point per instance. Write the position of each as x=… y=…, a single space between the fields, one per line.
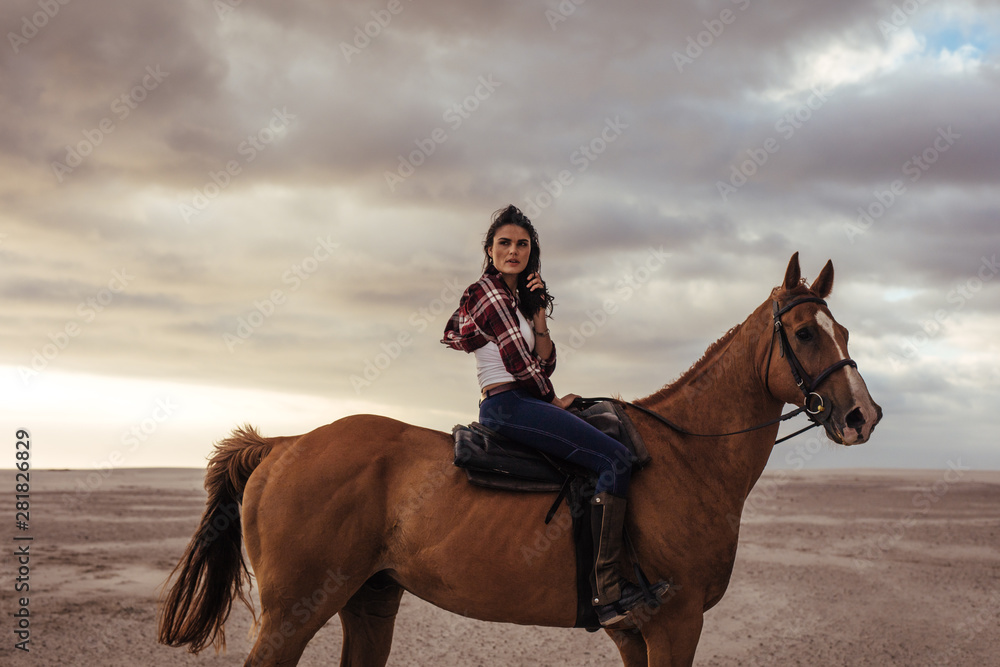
x=344 y=519
x=501 y=319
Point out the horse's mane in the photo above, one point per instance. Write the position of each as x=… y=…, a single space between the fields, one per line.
x=713 y=350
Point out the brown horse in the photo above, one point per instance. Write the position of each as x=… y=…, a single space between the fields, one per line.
x=342 y=520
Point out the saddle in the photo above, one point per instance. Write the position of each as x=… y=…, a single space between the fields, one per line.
x=494 y=461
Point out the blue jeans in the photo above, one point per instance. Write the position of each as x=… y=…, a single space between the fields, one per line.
x=518 y=415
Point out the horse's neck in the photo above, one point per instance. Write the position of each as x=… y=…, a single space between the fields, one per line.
x=722 y=394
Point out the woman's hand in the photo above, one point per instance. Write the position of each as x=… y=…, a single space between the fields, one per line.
x=565 y=401
x=535 y=281
x=538 y=319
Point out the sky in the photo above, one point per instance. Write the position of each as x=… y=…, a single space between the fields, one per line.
x=224 y=211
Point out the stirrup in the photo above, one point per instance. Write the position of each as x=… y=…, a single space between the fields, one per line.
x=633 y=596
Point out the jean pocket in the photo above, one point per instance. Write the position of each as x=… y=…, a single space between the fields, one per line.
x=498 y=410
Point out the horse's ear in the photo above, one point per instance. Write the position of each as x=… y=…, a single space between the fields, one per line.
x=823 y=284
x=792 y=273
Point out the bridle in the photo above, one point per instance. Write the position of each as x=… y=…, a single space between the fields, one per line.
x=806 y=384
x=816 y=412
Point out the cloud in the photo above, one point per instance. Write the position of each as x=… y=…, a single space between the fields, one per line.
x=330 y=170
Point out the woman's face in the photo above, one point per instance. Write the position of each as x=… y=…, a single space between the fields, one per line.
x=510 y=250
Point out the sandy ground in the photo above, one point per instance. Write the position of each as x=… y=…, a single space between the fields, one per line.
x=834 y=568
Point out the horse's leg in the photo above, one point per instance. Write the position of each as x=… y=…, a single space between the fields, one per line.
x=368 y=620
x=673 y=639
x=279 y=641
x=293 y=608
x=631 y=645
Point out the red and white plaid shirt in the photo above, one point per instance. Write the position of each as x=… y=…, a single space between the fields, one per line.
x=487 y=314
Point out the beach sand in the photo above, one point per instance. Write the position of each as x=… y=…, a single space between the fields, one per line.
x=859 y=568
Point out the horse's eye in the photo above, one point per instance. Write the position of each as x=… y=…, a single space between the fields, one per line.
x=805 y=335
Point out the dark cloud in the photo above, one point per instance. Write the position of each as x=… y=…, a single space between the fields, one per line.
x=255 y=164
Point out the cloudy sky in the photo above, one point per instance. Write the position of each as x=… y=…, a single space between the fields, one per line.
x=218 y=211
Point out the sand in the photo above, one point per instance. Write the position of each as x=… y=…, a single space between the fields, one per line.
x=834 y=568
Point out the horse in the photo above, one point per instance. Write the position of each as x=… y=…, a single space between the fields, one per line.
x=344 y=519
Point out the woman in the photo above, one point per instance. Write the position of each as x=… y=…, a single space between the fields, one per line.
x=502 y=319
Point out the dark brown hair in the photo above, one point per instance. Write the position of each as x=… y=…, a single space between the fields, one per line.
x=529 y=301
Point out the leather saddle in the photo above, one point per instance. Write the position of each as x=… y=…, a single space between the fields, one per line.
x=497 y=462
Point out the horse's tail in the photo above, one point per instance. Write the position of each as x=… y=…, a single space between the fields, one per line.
x=212 y=572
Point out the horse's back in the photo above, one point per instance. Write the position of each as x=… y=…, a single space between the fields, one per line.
x=352 y=441
x=355 y=463
x=386 y=431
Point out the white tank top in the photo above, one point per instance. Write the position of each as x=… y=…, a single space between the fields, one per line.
x=489 y=365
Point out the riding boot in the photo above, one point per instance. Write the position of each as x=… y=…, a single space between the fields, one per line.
x=608 y=528
x=614 y=595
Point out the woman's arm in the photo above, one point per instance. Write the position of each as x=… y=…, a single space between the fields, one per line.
x=492 y=311
x=545 y=349
x=543 y=340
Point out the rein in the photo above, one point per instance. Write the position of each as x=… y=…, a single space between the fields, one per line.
x=684 y=431
x=803 y=380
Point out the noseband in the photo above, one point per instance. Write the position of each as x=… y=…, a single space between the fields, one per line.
x=805 y=383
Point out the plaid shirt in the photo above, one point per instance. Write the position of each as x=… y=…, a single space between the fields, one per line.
x=486 y=314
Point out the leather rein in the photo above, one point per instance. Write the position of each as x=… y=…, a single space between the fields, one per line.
x=815 y=410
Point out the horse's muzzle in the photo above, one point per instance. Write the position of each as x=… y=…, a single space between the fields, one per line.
x=855 y=426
